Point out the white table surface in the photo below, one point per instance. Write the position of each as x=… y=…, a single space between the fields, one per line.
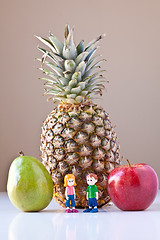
x=53 y=223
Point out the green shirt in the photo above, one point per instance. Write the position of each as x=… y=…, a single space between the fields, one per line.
x=92 y=191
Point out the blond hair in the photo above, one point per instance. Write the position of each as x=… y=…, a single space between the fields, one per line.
x=68 y=176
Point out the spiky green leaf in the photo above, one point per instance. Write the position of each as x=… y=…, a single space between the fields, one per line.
x=94 y=41
x=76 y=90
x=81 y=57
x=90 y=54
x=53 y=58
x=81 y=67
x=80 y=47
x=58 y=45
x=47 y=43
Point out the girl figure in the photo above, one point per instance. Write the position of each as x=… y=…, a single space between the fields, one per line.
x=69 y=183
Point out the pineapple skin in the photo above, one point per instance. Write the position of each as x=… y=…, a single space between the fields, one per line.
x=79 y=139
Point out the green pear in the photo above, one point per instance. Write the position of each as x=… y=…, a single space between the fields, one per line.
x=29 y=186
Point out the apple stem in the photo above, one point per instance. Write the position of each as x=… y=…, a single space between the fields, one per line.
x=128 y=162
x=21 y=153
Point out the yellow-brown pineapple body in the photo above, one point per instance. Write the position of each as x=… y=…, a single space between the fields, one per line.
x=79 y=139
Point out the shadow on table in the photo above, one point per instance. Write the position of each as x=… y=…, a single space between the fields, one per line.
x=100 y=210
x=53 y=211
x=154 y=208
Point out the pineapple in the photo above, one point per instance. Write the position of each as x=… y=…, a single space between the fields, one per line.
x=77 y=136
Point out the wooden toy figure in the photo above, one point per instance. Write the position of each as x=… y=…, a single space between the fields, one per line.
x=92 y=193
x=69 y=183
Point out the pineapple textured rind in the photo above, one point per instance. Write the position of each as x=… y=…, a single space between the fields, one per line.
x=68 y=146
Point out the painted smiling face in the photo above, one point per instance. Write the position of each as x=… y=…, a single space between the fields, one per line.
x=70 y=182
x=91 y=180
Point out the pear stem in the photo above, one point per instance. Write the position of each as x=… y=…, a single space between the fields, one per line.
x=128 y=162
x=21 y=153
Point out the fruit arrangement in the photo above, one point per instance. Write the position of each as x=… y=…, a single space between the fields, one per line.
x=78 y=143
x=77 y=136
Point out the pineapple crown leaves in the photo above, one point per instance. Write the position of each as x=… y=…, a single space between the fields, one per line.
x=74 y=73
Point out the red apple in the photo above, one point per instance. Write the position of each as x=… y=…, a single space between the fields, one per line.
x=132 y=187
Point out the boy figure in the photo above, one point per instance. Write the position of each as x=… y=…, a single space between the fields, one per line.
x=92 y=193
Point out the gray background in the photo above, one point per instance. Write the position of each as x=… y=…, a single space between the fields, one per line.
x=131 y=46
